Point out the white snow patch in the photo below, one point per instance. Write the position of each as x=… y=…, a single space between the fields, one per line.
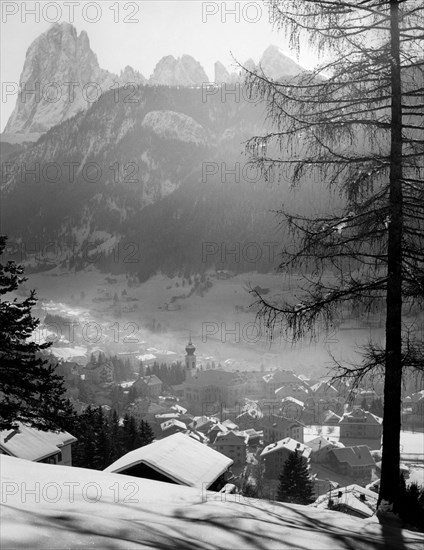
x=48 y=506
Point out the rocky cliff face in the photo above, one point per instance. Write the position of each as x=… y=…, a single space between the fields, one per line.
x=163 y=170
x=223 y=76
x=64 y=73
x=277 y=65
x=183 y=71
x=177 y=126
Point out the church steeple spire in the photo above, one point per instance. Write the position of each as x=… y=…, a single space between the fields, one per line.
x=190 y=359
x=190 y=349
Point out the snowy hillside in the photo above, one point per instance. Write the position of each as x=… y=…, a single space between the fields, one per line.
x=46 y=506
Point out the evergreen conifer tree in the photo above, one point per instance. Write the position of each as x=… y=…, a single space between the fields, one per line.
x=146 y=434
x=30 y=390
x=295 y=484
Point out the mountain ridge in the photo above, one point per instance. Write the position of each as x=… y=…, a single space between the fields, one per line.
x=62 y=76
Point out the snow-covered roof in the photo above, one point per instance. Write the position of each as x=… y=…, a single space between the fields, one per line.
x=179 y=409
x=69 y=353
x=146 y=357
x=351 y=498
x=150 y=380
x=235 y=438
x=173 y=423
x=180 y=458
x=331 y=416
x=291 y=386
x=229 y=424
x=32 y=444
x=324 y=387
x=320 y=442
x=417 y=396
x=355 y=456
x=360 y=415
x=122 y=513
x=287 y=443
x=293 y=400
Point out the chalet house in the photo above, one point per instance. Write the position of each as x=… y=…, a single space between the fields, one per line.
x=198 y=436
x=177 y=459
x=233 y=445
x=292 y=408
x=275 y=455
x=277 y=427
x=254 y=437
x=203 y=423
x=173 y=426
x=149 y=386
x=32 y=444
x=277 y=379
x=353 y=500
x=230 y=425
x=356 y=462
x=325 y=393
x=297 y=391
x=360 y=424
x=320 y=446
x=100 y=374
x=213 y=431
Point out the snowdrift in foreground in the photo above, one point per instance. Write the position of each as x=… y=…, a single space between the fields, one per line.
x=46 y=506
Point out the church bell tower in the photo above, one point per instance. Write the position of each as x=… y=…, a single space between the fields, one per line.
x=190 y=360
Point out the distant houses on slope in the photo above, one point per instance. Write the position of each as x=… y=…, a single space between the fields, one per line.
x=38 y=446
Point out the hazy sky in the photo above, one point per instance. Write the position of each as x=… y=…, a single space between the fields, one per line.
x=139 y=33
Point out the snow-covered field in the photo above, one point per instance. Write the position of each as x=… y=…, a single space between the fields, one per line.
x=54 y=507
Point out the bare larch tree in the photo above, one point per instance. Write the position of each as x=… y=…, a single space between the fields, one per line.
x=356 y=125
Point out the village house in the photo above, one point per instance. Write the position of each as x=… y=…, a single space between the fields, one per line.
x=292 y=408
x=148 y=386
x=320 y=446
x=254 y=436
x=324 y=390
x=277 y=427
x=353 y=500
x=38 y=446
x=213 y=430
x=100 y=374
x=297 y=391
x=232 y=444
x=275 y=455
x=356 y=462
x=177 y=459
x=277 y=379
x=173 y=426
x=360 y=424
x=325 y=396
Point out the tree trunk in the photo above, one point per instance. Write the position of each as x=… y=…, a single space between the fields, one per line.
x=390 y=474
